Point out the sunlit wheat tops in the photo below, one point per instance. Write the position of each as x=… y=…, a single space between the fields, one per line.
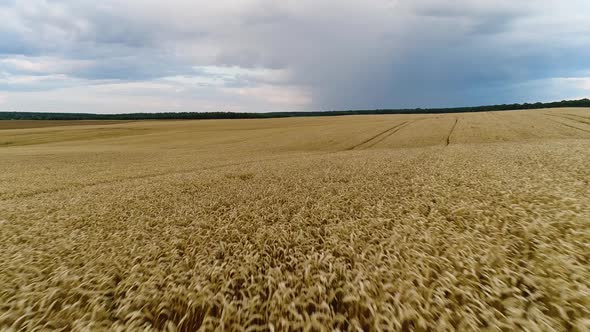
x=402 y=222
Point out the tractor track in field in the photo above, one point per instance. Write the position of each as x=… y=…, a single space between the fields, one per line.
x=380 y=136
x=376 y=136
x=570 y=126
x=577 y=120
x=579 y=116
x=451 y=132
x=569 y=118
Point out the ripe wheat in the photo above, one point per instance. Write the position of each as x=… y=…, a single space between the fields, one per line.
x=417 y=222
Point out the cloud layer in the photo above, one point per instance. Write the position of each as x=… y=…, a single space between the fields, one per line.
x=265 y=55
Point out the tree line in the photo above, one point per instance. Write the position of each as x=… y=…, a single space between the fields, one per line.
x=231 y=115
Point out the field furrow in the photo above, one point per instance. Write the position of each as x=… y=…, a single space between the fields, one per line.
x=377 y=138
x=389 y=134
x=451 y=132
x=570 y=126
x=575 y=119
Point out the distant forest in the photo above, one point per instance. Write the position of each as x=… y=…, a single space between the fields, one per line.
x=232 y=115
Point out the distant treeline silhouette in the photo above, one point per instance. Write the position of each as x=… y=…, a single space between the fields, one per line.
x=232 y=115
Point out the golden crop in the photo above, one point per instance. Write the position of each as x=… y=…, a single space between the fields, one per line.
x=395 y=222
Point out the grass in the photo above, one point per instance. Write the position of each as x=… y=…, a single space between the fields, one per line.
x=396 y=222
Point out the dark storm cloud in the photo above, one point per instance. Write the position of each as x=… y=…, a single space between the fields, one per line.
x=462 y=57
x=340 y=54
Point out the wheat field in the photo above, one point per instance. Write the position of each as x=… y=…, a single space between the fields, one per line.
x=474 y=221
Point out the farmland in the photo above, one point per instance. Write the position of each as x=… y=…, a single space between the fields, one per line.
x=21 y=124
x=394 y=222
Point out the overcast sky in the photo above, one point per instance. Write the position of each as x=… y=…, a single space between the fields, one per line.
x=113 y=56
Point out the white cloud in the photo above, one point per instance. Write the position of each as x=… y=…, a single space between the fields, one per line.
x=27 y=79
x=582 y=83
x=43 y=64
x=161 y=95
